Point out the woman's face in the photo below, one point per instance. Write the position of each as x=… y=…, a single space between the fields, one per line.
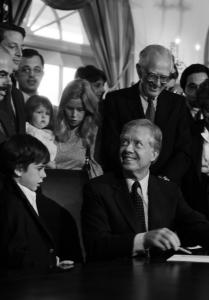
x=75 y=112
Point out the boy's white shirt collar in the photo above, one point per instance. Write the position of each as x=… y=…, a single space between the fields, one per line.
x=30 y=195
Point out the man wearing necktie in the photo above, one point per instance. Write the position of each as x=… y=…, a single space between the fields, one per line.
x=149 y=99
x=12 y=111
x=128 y=213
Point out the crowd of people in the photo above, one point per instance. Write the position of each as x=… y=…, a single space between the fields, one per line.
x=145 y=148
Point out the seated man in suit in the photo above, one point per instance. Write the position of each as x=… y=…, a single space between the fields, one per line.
x=35 y=232
x=148 y=98
x=129 y=213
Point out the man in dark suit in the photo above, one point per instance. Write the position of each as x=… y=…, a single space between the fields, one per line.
x=127 y=214
x=34 y=230
x=149 y=99
x=195 y=185
x=12 y=118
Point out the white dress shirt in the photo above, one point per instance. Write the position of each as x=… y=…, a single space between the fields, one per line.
x=30 y=195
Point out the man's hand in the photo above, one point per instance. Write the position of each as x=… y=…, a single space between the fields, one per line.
x=162 y=238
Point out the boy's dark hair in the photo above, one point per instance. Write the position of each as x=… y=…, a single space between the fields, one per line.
x=29 y=52
x=33 y=103
x=21 y=150
x=10 y=27
x=90 y=73
x=194 y=68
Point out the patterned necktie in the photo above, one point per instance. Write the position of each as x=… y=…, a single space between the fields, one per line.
x=150 y=112
x=138 y=203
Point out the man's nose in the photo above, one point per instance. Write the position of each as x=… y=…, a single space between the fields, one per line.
x=18 y=52
x=129 y=147
x=8 y=80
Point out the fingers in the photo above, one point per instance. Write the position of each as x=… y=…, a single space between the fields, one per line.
x=169 y=239
x=163 y=238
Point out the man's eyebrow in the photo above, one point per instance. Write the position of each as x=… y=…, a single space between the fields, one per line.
x=4 y=72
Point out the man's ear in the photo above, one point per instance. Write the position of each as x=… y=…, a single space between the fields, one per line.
x=155 y=155
x=139 y=71
x=18 y=171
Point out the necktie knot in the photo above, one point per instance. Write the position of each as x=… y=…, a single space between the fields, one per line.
x=135 y=186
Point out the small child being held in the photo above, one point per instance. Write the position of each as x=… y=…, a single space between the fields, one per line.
x=39 y=117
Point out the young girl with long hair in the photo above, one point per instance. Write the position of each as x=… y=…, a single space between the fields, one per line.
x=77 y=127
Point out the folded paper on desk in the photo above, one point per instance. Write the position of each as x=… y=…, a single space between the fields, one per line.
x=189 y=258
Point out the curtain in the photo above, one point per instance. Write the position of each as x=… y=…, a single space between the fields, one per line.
x=66 y=4
x=5 y=11
x=109 y=26
x=206 y=50
x=19 y=10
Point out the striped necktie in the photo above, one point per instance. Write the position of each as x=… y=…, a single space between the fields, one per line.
x=138 y=203
x=150 y=112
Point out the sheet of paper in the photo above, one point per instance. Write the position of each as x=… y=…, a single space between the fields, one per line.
x=189 y=258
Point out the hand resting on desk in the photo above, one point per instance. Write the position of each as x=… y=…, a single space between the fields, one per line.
x=162 y=238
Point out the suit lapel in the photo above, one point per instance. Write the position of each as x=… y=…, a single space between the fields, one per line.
x=135 y=106
x=18 y=103
x=35 y=216
x=6 y=123
x=157 y=205
x=164 y=107
x=125 y=203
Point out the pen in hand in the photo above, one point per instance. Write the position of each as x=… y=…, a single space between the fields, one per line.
x=184 y=250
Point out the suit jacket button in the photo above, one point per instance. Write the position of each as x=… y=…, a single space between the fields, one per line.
x=51 y=250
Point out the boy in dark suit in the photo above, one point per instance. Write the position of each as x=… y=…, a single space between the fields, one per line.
x=35 y=232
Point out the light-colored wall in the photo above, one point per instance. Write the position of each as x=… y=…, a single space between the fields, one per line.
x=153 y=25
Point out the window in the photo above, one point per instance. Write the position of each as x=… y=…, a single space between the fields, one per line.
x=60 y=37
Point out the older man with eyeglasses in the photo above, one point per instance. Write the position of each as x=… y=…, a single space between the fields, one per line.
x=149 y=99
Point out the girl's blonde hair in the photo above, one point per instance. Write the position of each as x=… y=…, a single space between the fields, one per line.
x=78 y=89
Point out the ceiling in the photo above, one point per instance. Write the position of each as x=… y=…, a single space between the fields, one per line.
x=178 y=24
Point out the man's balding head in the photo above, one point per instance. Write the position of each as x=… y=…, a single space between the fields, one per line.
x=154 y=69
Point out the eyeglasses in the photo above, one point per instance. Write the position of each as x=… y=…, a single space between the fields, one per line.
x=27 y=71
x=152 y=77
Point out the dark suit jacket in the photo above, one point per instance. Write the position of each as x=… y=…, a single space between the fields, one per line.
x=195 y=185
x=171 y=116
x=109 y=219
x=31 y=241
x=8 y=126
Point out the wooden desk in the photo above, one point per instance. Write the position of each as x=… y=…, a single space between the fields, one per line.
x=119 y=280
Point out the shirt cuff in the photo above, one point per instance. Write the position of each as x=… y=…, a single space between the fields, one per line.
x=138 y=245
